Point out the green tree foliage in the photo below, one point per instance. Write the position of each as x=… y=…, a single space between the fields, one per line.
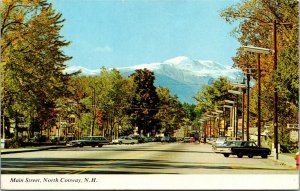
x=171 y=112
x=145 y=101
x=109 y=94
x=32 y=60
x=212 y=96
x=255 y=28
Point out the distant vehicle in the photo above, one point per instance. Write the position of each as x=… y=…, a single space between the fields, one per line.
x=157 y=139
x=140 y=138
x=173 y=139
x=250 y=149
x=150 y=139
x=125 y=140
x=165 y=139
x=90 y=141
x=186 y=139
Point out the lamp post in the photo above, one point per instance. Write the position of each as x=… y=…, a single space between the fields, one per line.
x=218 y=113
x=205 y=127
x=240 y=86
x=258 y=51
x=210 y=124
x=230 y=107
x=237 y=93
x=234 y=115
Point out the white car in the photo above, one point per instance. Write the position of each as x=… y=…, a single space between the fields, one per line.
x=125 y=140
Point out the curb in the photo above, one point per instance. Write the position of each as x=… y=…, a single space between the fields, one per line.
x=30 y=150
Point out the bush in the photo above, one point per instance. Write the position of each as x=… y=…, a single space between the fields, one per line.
x=14 y=143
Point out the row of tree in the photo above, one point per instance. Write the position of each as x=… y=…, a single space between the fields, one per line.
x=32 y=61
x=255 y=20
x=110 y=103
x=36 y=94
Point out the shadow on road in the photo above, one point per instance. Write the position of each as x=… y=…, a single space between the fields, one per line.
x=103 y=166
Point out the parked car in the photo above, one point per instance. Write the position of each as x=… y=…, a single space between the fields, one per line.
x=211 y=140
x=157 y=139
x=173 y=139
x=150 y=139
x=225 y=148
x=250 y=149
x=125 y=140
x=165 y=139
x=221 y=140
x=90 y=141
x=141 y=139
x=186 y=139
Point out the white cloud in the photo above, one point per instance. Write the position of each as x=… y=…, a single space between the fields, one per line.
x=103 y=49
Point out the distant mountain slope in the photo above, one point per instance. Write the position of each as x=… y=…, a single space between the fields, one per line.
x=183 y=76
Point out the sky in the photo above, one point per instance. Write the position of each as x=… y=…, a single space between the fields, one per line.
x=119 y=33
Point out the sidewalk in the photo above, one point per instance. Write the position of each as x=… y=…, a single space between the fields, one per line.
x=284 y=160
x=32 y=149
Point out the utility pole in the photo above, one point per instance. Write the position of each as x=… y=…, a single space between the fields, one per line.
x=275 y=91
x=258 y=101
x=94 y=109
x=205 y=126
x=237 y=117
x=275 y=98
x=243 y=109
x=248 y=104
x=224 y=111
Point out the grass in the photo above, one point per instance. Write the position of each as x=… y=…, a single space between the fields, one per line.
x=290 y=154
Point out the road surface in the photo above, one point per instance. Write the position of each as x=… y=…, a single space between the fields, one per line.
x=149 y=158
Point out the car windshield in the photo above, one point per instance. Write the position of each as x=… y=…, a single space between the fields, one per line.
x=85 y=138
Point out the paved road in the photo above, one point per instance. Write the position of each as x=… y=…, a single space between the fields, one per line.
x=150 y=158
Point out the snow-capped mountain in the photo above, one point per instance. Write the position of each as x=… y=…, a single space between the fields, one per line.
x=183 y=76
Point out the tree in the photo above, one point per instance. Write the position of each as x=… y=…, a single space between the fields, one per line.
x=212 y=96
x=108 y=98
x=171 y=112
x=145 y=101
x=255 y=28
x=32 y=60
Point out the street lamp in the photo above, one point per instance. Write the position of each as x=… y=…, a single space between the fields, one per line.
x=236 y=112
x=229 y=101
x=240 y=86
x=219 y=111
x=254 y=49
x=230 y=107
x=258 y=51
x=234 y=115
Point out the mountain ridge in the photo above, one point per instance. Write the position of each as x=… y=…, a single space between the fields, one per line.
x=184 y=76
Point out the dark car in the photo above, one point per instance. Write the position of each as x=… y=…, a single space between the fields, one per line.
x=90 y=141
x=250 y=149
x=140 y=138
x=165 y=139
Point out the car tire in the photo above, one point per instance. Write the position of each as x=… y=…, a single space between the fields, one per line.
x=250 y=155
x=120 y=143
x=81 y=145
x=132 y=143
x=226 y=155
x=100 y=145
x=264 y=156
x=240 y=155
